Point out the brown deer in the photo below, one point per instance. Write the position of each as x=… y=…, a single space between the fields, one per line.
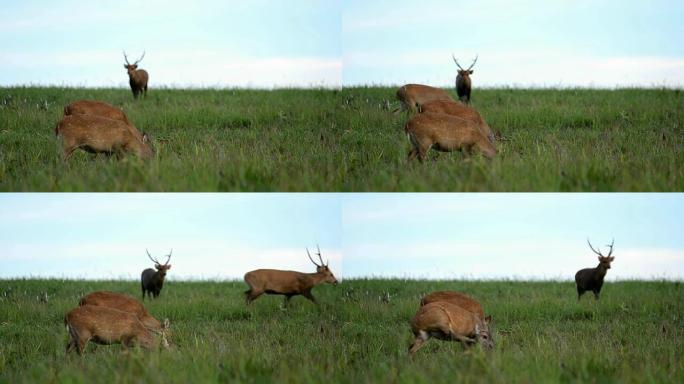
x=459 y=110
x=151 y=281
x=137 y=78
x=99 y=108
x=412 y=96
x=463 y=82
x=591 y=279
x=287 y=283
x=122 y=303
x=103 y=325
x=447 y=321
x=96 y=134
x=445 y=133
x=457 y=298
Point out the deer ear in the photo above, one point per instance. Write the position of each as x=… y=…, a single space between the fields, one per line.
x=168 y=266
x=471 y=71
x=167 y=323
x=612 y=258
x=488 y=319
x=125 y=66
x=600 y=258
x=146 y=139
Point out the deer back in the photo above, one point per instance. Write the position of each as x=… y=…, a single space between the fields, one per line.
x=123 y=303
x=456 y=298
x=459 y=110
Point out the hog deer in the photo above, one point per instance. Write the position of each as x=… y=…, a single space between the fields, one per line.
x=457 y=298
x=137 y=78
x=445 y=133
x=123 y=303
x=98 y=108
x=151 y=281
x=96 y=134
x=412 y=96
x=103 y=325
x=447 y=321
x=463 y=82
x=287 y=283
x=591 y=279
x=459 y=110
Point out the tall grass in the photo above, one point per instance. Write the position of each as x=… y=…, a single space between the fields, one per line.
x=327 y=140
x=358 y=333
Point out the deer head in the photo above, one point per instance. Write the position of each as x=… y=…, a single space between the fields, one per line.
x=322 y=268
x=465 y=72
x=132 y=67
x=161 y=268
x=604 y=260
x=482 y=333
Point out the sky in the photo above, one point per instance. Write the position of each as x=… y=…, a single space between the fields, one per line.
x=331 y=43
x=397 y=235
x=525 y=43
x=199 y=43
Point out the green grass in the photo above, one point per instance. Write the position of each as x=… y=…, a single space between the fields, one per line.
x=326 y=140
x=357 y=334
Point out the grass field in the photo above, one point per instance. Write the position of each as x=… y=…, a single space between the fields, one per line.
x=359 y=333
x=327 y=140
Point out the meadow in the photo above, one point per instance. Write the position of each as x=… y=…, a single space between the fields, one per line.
x=348 y=140
x=358 y=333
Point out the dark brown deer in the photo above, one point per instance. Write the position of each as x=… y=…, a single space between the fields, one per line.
x=103 y=325
x=591 y=279
x=137 y=78
x=412 y=96
x=97 y=134
x=445 y=133
x=122 y=303
x=463 y=82
x=287 y=283
x=457 y=298
x=151 y=281
x=457 y=109
x=447 y=321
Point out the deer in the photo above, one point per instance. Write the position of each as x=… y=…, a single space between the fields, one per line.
x=457 y=298
x=104 y=325
x=447 y=321
x=445 y=133
x=99 y=108
x=288 y=283
x=137 y=78
x=122 y=303
x=151 y=281
x=97 y=134
x=463 y=82
x=591 y=279
x=412 y=96
x=459 y=110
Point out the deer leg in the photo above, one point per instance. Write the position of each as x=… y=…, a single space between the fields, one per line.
x=309 y=296
x=580 y=292
x=420 y=339
x=286 y=302
x=412 y=154
x=596 y=294
x=252 y=295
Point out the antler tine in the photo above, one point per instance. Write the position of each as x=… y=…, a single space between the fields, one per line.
x=592 y=248
x=307 y=252
x=474 y=61
x=140 y=59
x=611 y=247
x=319 y=256
x=150 y=256
x=456 y=61
x=168 y=257
x=126 y=58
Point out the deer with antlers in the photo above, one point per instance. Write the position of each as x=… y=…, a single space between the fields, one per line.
x=152 y=281
x=288 y=283
x=591 y=279
x=137 y=78
x=463 y=82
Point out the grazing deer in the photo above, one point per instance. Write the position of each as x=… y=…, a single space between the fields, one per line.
x=122 y=303
x=591 y=279
x=447 y=321
x=412 y=96
x=103 y=325
x=137 y=78
x=97 y=108
x=151 y=281
x=456 y=298
x=96 y=134
x=463 y=82
x=459 y=110
x=445 y=133
x=288 y=283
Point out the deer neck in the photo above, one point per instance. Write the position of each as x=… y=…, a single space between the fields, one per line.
x=317 y=277
x=601 y=270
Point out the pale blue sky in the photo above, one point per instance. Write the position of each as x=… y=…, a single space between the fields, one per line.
x=531 y=236
x=526 y=42
x=258 y=43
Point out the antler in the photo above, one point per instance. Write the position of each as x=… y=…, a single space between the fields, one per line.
x=307 y=252
x=611 y=247
x=143 y=55
x=168 y=257
x=474 y=61
x=126 y=58
x=151 y=258
x=319 y=256
x=599 y=252
x=456 y=61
